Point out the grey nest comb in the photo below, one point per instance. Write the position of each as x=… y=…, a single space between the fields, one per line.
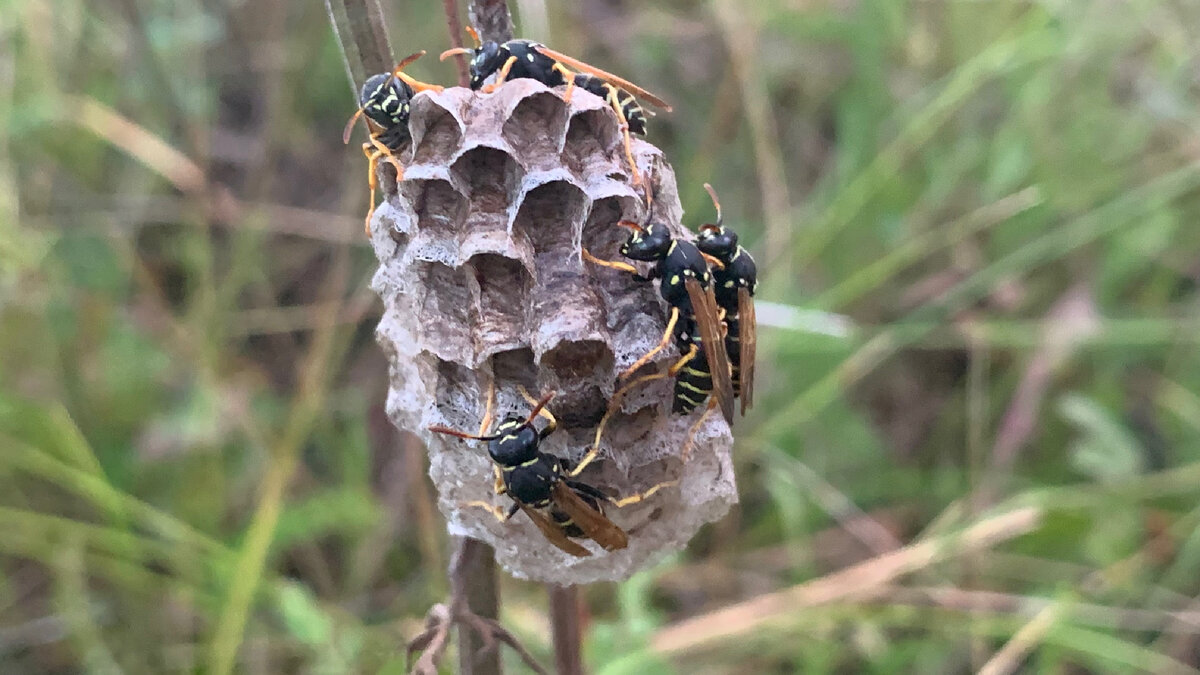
x=483 y=282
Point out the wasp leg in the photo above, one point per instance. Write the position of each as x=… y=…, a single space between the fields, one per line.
x=419 y=86
x=666 y=340
x=615 y=102
x=713 y=262
x=375 y=151
x=372 y=182
x=614 y=405
x=569 y=77
x=501 y=76
x=498 y=485
x=541 y=408
x=624 y=267
x=386 y=153
x=687 y=445
x=500 y=514
x=487 y=410
x=641 y=496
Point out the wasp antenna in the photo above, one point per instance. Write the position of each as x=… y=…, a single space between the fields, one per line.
x=713 y=193
x=350 y=126
x=631 y=225
x=538 y=408
x=461 y=434
x=453 y=52
x=406 y=61
x=474 y=35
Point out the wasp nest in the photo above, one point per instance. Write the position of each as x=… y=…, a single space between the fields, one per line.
x=483 y=282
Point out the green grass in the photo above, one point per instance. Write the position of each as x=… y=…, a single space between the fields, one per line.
x=196 y=474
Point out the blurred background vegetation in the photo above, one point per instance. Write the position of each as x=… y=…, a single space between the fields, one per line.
x=196 y=473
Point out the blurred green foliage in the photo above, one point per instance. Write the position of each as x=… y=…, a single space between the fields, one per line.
x=196 y=474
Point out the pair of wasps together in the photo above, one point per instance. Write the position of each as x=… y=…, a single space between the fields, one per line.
x=385 y=98
x=713 y=324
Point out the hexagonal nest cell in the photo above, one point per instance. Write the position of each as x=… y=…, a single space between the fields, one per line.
x=483 y=283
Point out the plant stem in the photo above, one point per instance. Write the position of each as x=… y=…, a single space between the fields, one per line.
x=473 y=578
x=451 y=7
x=566 y=613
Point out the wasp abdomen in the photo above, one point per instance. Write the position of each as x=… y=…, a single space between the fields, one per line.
x=630 y=108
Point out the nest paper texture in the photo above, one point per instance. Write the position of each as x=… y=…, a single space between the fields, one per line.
x=482 y=281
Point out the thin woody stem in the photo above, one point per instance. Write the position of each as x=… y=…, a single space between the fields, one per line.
x=473 y=582
x=451 y=7
x=566 y=609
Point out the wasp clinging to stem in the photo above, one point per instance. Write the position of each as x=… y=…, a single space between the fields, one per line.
x=385 y=102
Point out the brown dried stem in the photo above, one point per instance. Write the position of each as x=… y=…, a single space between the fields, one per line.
x=566 y=621
x=460 y=60
x=472 y=579
x=742 y=619
x=362 y=35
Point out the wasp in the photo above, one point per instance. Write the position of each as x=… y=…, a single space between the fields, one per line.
x=385 y=101
x=517 y=59
x=542 y=486
x=686 y=284
x=734 y=283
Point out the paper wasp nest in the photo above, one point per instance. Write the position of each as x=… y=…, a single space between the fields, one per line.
x=482 y=280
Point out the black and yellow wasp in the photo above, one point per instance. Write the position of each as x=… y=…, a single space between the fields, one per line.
x=734 y=282
x=542 y=486
x=517 y=59
x=385 y=101
x=686 y=284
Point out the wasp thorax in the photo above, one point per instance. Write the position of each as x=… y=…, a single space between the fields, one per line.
x=649 y=243
x=515 y=443
x=484 y=286
x=717 y=241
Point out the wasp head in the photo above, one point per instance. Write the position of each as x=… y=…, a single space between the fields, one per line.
x=646 y=243
x=717 y=241
x=384 y=99
x=489 y=57
x=515 y=442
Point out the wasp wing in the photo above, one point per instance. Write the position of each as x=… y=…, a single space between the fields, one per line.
x=704 y=306
x=748 y=343
x=606 y=76
x=594 y=524
x=554 y=533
